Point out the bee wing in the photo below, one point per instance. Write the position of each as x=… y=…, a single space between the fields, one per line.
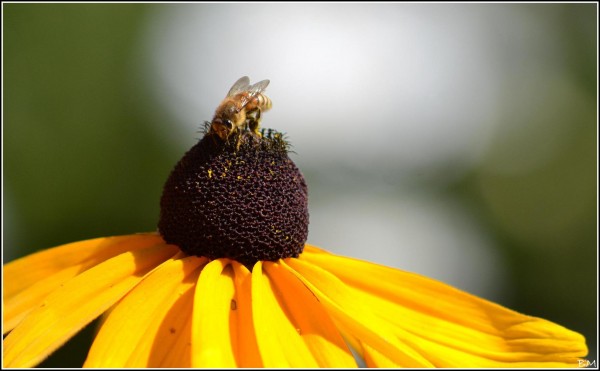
x=243 y=84
x=258 y=87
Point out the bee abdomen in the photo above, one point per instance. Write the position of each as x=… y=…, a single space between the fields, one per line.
x=264 y=102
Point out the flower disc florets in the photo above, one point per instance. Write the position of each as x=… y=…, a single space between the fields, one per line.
x=242 y=199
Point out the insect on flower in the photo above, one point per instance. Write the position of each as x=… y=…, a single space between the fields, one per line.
x=241 y=109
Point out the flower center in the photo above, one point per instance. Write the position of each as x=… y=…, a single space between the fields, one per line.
x=242 y=199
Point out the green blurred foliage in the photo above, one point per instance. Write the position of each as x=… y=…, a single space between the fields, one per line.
x=80 y=159
x=537 y=188
x=77 y=148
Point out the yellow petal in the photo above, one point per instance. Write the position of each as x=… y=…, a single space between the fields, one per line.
x=30 y=279
x=453 y=328
x=310 y=319
x=214 y=322
x=373 y=358
x=278 y=339
x=247 y=352
x=76 y=303
x=35 y=267
x=149 y=324
x=223 y=334
x=352 y=316
x=176 y=351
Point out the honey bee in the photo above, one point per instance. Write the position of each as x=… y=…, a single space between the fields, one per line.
x=241 y=109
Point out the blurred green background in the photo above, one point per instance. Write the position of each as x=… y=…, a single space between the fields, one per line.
x=83 y=158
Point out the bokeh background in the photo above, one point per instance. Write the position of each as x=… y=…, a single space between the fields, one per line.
x=458 y=141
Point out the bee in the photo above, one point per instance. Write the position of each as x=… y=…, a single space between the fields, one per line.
x=241 y=109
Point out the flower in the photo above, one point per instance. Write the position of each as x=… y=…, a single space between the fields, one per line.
x=174 y=310
x=230 y=282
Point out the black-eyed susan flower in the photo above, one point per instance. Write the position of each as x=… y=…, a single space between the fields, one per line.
x=230 y=282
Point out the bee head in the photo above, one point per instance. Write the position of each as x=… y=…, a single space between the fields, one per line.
x=223 y=123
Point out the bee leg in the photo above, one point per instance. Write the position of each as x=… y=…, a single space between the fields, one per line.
x=238 y=142
x=254 y=120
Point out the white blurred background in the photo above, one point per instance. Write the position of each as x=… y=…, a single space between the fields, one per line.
x=371 y=96
x=379 y=101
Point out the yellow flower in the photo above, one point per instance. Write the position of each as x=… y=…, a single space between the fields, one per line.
x=229 y=282
x=173 y=310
